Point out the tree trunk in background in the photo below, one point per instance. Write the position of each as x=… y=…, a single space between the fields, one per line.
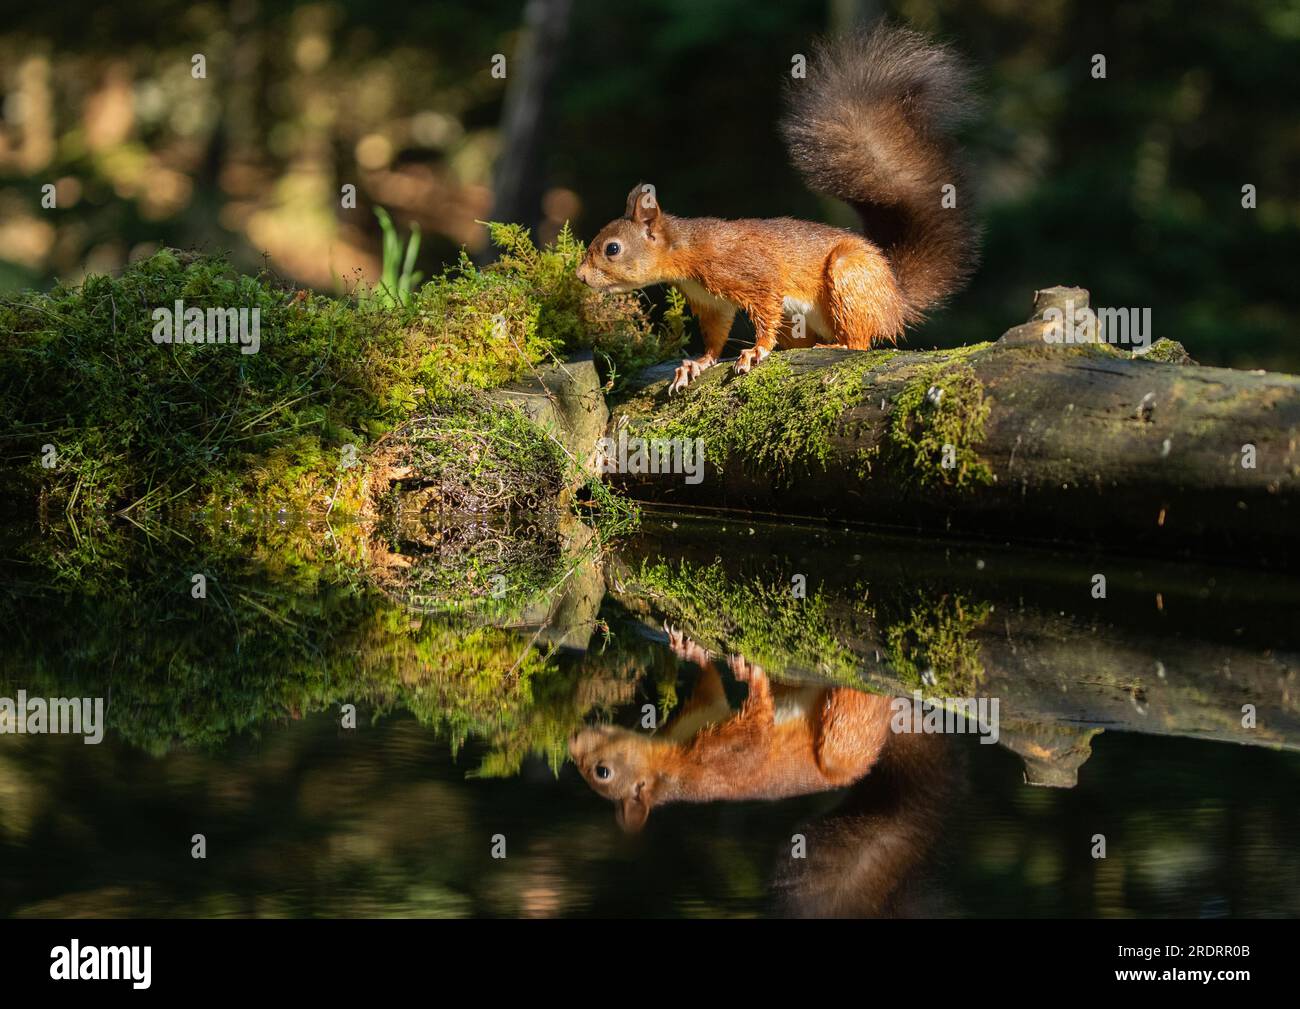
x=518 y=186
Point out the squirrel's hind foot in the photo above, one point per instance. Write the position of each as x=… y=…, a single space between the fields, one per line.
x=749 y=357
x=747 y=672
x=684 y=648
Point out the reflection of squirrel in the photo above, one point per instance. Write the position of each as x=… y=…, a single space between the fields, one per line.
x=868 y=125
x=868 y=857
x=784 y=741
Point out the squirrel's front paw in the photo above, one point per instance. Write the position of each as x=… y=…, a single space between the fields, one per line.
x=686 y=373
x=748 y=358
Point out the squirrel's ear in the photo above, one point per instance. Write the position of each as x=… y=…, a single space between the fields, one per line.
x=643 y=205
x=634 y=810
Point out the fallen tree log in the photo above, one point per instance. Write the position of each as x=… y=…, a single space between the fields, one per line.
x=1018 y=439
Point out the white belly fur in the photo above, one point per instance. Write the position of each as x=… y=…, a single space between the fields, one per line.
x=813 y=319
x=697 y=293
x=795 y=702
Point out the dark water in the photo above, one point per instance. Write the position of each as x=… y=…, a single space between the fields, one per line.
x=224 y=719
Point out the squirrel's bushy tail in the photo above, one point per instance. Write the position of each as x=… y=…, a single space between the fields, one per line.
x=871 y=125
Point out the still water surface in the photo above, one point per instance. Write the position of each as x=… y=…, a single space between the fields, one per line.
x=226 y=720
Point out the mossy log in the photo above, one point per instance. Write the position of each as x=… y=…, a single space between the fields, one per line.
x=1020 y=439
x=565 y=398
x=1171 y=649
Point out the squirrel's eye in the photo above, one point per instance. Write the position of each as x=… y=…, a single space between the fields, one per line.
x=603 y=772
x=612 y=249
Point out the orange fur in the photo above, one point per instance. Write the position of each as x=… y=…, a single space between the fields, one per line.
x=868 y=126
x=707 y=752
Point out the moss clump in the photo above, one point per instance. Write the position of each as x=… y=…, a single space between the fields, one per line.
x=762 y=620
x=470 y=455
x=936 y=425
x=567 y=313
x=931 y=648
x=772 y=420
x=1166 y=351
x=132 y=424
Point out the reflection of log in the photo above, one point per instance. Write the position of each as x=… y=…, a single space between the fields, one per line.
x=1174 y=650
x=1081 y=443
x=1052 y=753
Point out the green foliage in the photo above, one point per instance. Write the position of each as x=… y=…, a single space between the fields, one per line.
x=398 y=276
x=932 y=647
x=472 y=455
x=571 y=315
x=270 y=645
x=136 y=424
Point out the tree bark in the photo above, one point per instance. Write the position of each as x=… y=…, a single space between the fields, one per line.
x=1083 y=444
x=519 y=176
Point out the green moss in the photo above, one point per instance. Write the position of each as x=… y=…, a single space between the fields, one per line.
x=470 y=455
x=936 y=425
x=1166 y=351
x=762 y=620
x=134 y=425
x=567 y=313
x=931 y=648
x=772 y=419
x=491 y=570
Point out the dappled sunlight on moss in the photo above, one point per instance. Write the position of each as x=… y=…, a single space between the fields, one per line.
x=932 y=648
x=936 y=425
x=265 y=647
x=772 y=420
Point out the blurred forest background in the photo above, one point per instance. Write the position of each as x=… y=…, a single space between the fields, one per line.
x=1130 y=186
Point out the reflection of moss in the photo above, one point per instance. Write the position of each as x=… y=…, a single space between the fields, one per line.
x=666 y=692
x=762 y=620
x=773 y=419
x=274 y=640
x=470 y=681
x=492 y=570
x=937 y=424
x=934 y=640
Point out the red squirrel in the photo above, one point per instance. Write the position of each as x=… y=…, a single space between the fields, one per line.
x=784 y=741
x=869 y=125
x=873 y=854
